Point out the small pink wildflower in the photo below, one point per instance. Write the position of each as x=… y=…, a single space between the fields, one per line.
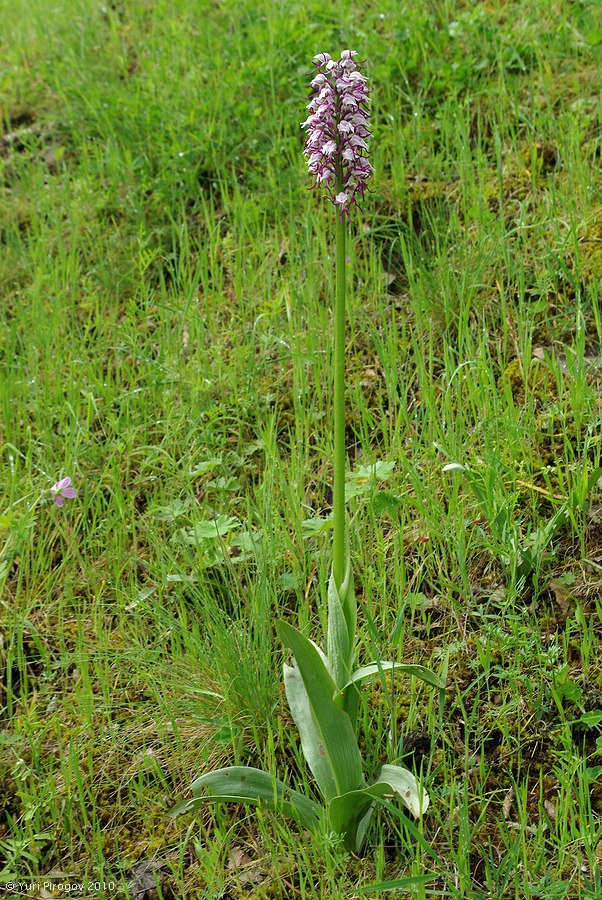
x=62 y=491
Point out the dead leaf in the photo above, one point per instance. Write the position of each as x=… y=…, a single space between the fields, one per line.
x=563 y=594
x=507 y=804
x=238 y=858
x=594 y=513
x=143 y=879
x=550 y=808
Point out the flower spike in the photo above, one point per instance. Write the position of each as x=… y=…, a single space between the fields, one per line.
x=338 y=129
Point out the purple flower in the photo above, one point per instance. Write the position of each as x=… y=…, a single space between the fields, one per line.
x=62 y=491
x=338 y=129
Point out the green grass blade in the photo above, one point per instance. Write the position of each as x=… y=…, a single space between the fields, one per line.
x=399 y=883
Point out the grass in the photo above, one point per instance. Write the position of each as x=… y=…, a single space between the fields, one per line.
x=167 y=286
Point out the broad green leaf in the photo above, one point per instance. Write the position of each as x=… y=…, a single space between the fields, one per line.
x=208 y=465
x=244 y=784
x=288 y=582
x=404 y=784
x=347 y=813
x=209 y=530
x=356 y=489
x=591 y=719
x=568 y=579
x=350 y=814
x=373 y=672
x=364 y=479
x=326 y=731
x=315 y=526
x=593 y=37
x=246 y=545
x=309 y=732
x=247 y=541
x=174 y=510
x=385 y=502
x=454 y=467
x=593 y=773
x=229 y=483
x=381 y=470
x=363 y=825
x=593 y=478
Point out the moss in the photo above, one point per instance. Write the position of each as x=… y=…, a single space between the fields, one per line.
x=540 y=159
x=532 y=379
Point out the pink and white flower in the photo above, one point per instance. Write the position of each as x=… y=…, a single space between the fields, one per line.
x=62 y=491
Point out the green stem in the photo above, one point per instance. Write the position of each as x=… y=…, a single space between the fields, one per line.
x=339 y=550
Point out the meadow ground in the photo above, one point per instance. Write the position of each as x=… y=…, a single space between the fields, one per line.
x=166 y=285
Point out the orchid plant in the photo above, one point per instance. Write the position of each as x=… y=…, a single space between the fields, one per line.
x=322 y=686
